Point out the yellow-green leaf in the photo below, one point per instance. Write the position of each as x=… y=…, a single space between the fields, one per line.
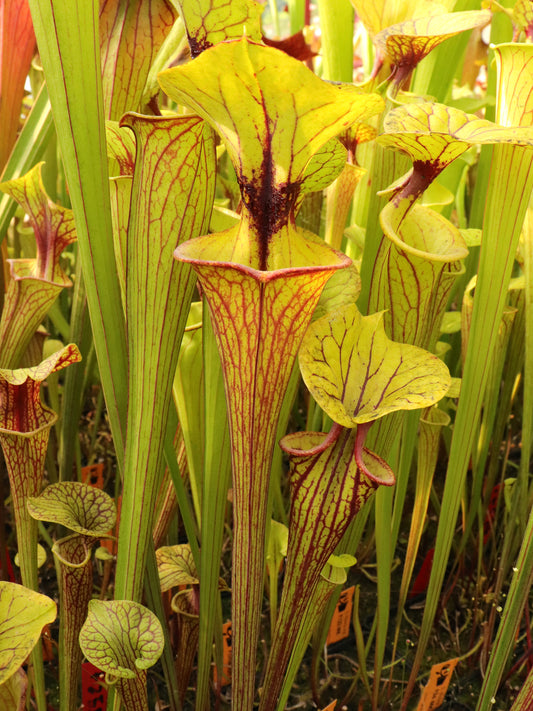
x=82 y=508
x=130 y=36
x=188 y=394
x=120 y=195
x=37 y=373
x=261 y=97
x=376 y=15
x=339 y=203
x=25 y=413
x=176 y=566
x=121 y=637
x=13 y=691
x=415 y=268
x=41 y=557
x=120 y=149
x=171 y=201
x=357 y=374
x=23 y=614
x=73 y=553
x=277 y=545
x=253 y=312
x=324 y=166
x=407 y=43
x=356 y=134
x=24 y=429
x=523 y=16
x=328 y=488
x=451 y=322
x=209 y=22
x=52 y=224
x=335 y=569
x=342 y=289
x=431 y=132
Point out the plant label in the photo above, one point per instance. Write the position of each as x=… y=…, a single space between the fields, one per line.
x=225 y=678
x=437 y=686
x=340 y=622
x=93 y=474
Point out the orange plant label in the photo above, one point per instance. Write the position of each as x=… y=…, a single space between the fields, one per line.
x=93 y=475
x=225 y=678
x=331 y=706
x=340 y=622
x=437 y=686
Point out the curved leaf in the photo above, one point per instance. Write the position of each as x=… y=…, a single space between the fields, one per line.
x=73 y=558
x=35 y=283
x=120 y=195
x=324 y=166
x=334 y=572
x=272 y=308
x=407 y=43
x=415 y=268
x=266 y=99
x=431 y=132
x=13 y=691
x=262 y=277
x=523 y=16
x=41 y=557
x=292 y=249
x=356 y=134
x=74 y=553
x=24 y=429
x=120 y=149
x=23 y=614
x=376 y=15
x=52 y=224
x=176 y=566
x=341 y=290
x=121 y=637
x=209 y=22
x=277 y=546
x=172 y=196
x=357 y=374
x=25 y=413
x=327 y=490
x=131 y=34
x=82 y=508
x=185 y=604
x=339 y=203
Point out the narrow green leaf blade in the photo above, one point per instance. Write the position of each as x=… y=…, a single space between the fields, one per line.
x=68 y=44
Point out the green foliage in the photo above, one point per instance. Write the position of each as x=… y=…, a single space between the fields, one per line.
x=242 y=207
